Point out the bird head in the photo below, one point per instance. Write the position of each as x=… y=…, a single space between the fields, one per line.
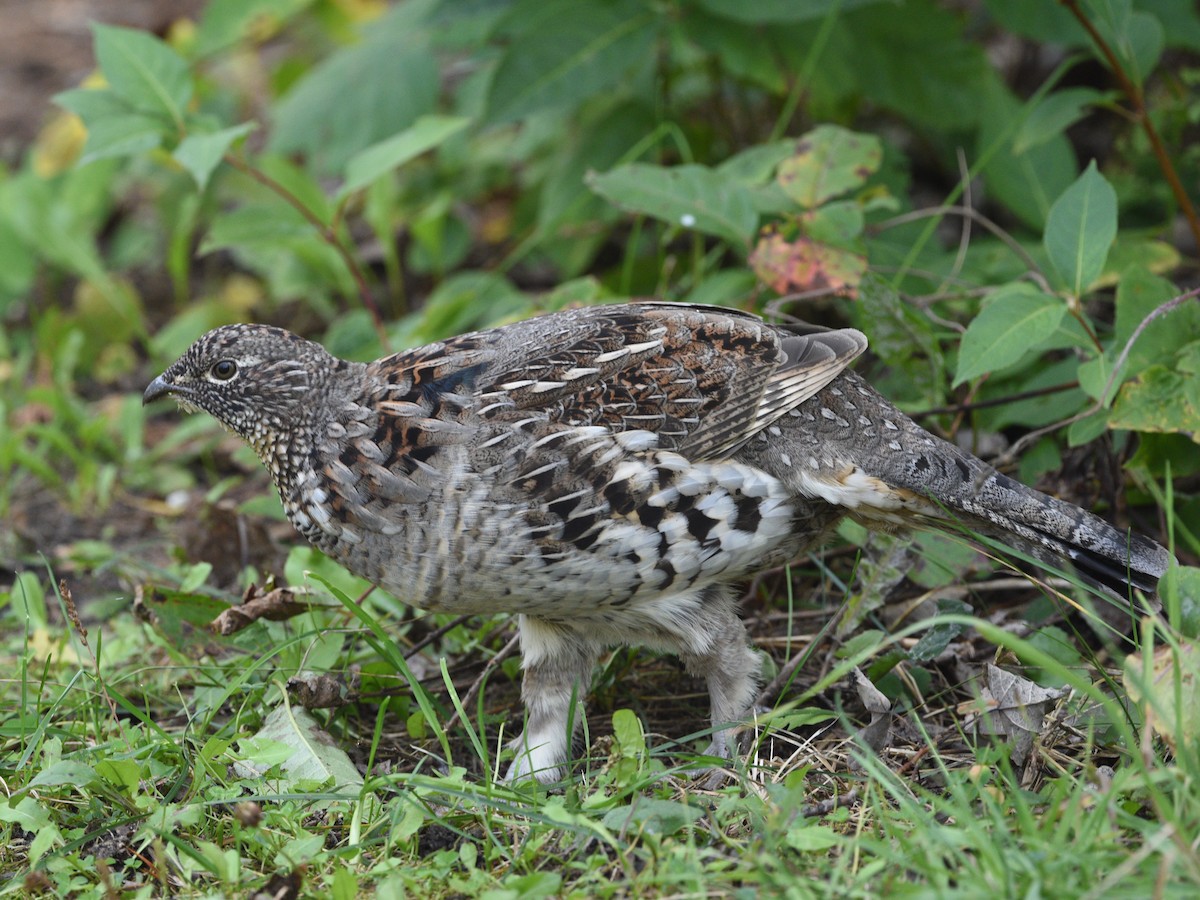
x=257 y=381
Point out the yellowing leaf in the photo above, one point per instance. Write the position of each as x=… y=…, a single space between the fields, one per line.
x=1161 y=400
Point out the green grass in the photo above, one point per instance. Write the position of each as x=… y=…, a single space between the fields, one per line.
x=138 y=764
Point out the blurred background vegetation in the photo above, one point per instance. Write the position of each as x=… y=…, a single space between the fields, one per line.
x=377 y=176
x=995 y=191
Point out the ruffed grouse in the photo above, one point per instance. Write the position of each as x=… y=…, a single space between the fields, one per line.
x=608 y=473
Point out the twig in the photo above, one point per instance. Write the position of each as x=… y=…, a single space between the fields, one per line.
x=825 y=807
x=1008 y=240
x=965 y=407
x=433 y=636
x=1142 y=116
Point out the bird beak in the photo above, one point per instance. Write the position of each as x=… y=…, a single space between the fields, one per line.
x=159 y=387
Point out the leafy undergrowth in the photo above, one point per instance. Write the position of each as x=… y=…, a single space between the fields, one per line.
x=170 y=752
x=996 y=193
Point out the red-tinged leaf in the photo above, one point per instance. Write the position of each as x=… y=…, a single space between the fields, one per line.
x=803 y=264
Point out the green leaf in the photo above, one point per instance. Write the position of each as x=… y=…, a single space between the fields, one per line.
x=358 y=96
x=563 y=52
x=693 y=197
x=225 y=22
x=813 y=838
x=28 y=814
x=1136 y=37
x=828 y=161
x=291 y=737
x=755 y=165
x=881 y=46
x=255 y=225
x=763 y=12
x=1162 y=399
x=1085 y=430
x=1080 y=227
x=144 y=71
x=628 y=733
x=839 y=223
x=938 y=637
x=1027 y=182
x=1016 y=319
x=1054 y=115
x=127 y=135
x=114 y=127
x=768 y=11
x=200 y=154
x=1139 y=293
x=378 y=159
x=64 y=772
x=124 y=773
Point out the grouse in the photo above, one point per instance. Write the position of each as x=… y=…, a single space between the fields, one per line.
x=608 y=474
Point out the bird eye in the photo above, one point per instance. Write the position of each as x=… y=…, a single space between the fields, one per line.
x=223 y=370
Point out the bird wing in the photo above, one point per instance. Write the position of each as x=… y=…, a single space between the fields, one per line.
x=703 y=379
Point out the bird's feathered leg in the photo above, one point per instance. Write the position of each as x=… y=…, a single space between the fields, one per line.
x=558 y=663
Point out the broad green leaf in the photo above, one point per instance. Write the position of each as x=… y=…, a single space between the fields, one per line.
x=1055 y=113
x=756 y=165
x=628 y=733
x=425 y=134
x=1080 y=228
x=763 y=12
x=738 y=48
x=1162 y=400
x=358 y=96
x=937 y=637
x=91 y=104
x=64 y=772
x=839 y=223
x=1139 y=293
x=1016 y=319
x=599 y=142
x=28 y=814
x=114 y=127
x=1027 y=183
x=808 y=838
x=200 y=154
x=225 y=22
x=121 y=136
x=144 y=71
x=913 y=58
x=828 y=161
x=45 y=215
x=291 y=737
x=18 y=265
x=694 y=197
x=1136 y=37
x=1187 y=581
x=1047 y=23
x=124 y=773
x=255 y=225
x=563 y=52
x=1085 y=430
x=653 y=815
